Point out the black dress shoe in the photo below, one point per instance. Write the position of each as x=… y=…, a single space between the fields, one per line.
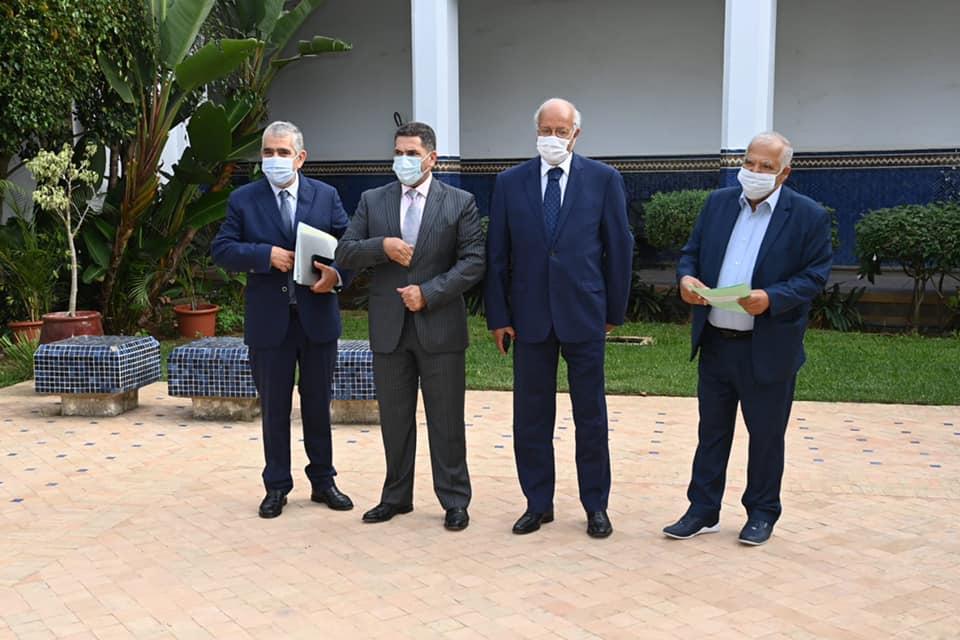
x=531 y=521
x=691 y=525
x=272 y=504
x=756 y=532
x=456 y=519
x=383 y=512
x=333 y=498
x=598 y=524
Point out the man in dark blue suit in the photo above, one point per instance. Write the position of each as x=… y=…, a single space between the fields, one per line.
x=287 y=324
x=559 y=258
x=776 y=241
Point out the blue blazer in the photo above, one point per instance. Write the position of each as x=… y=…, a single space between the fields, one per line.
x=575 y=282
x=252 y=227
x=792 y=267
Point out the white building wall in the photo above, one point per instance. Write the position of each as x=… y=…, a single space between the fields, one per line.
x=344 y=103
x=647 y=76
x=877 y=75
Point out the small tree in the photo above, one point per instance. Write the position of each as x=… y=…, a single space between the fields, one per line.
x=67 y=190
x=923 y=239
x=669 y=217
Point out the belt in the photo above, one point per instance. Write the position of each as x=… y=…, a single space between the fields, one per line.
x=731 y=334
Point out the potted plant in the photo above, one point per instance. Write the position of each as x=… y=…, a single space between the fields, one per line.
x=68 y=190
x=29 y=263
x=196 y=317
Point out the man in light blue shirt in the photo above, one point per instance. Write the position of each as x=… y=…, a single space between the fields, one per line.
x=777 y=242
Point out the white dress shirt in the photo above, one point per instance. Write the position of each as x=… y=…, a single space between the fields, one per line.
x=423 y=189
x=741 y=257
x=544 y=179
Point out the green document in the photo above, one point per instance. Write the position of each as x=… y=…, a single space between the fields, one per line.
x=725 y=298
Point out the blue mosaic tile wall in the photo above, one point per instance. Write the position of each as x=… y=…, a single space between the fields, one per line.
x=353 y=375
x=211 y=368
x=96 y=364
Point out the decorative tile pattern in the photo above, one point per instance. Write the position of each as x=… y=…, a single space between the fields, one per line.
x=353 y=375
x=211 y=368
x=97 y=364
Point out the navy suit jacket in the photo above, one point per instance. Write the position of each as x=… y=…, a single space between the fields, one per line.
x=575 y=282
x=792 y=267
x=252 y=228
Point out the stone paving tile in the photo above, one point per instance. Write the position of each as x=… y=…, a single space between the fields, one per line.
x=145 y=526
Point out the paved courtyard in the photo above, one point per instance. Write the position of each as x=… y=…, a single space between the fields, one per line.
x=145 y=526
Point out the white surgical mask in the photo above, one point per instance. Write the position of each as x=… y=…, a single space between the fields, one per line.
x=553 y=149
x=408 y=169
x=756 y=185
x=279 y=171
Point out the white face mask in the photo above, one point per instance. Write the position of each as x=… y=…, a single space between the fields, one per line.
x=279 y=171
x=756 y=185
x=553 y=149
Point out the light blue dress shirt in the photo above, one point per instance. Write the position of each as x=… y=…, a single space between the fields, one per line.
x=741 y=257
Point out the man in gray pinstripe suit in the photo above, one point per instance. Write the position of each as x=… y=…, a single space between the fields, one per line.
x=424 y=242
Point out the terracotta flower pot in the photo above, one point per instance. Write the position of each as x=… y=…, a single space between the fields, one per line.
x=25 y=330
x=59 y=325
x=199 y=322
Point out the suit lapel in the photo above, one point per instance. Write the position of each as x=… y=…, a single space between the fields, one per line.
x=535 y=196
x=428 y=221
x=569 y=194
x=777 y=221
x=304 y=203
x=389 y=208
x=730 y=213
x=267 y=202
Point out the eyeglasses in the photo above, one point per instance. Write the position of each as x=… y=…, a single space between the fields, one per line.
x=560 y=132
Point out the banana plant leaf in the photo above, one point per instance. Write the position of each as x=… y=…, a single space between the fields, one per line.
x=213 y=61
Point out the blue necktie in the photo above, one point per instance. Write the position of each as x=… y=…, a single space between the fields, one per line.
x=286 y=212
x=551 y=200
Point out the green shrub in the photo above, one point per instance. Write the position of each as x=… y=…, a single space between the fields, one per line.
x=18 y=357
x=669 y=217
x=923 y=239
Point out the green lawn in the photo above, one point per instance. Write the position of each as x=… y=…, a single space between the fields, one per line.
x=852 y=367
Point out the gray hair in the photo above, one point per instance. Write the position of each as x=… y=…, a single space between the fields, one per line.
x=576 y=113
x=786 y=156
x=281 y=129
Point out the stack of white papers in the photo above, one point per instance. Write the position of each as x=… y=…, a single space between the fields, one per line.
x=311 y=242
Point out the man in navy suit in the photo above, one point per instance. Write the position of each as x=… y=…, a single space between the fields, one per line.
x=287 y=324
x=559 y=259
x=776 y=241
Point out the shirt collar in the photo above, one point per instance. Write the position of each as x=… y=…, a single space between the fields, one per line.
x=771 y=200
x=423 y=188
x=293 y=189
x=565 y=165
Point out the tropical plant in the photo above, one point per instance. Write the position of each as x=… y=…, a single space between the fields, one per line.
x=67 y=189
x=19 y=353
x=837 y=310
x=923 y=239
x=245 y=40
x=30 y=257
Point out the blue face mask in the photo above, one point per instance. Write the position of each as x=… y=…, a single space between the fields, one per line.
x=279 y=171
x=408 y=169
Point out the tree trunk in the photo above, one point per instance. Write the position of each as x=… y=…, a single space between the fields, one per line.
x=71 y=238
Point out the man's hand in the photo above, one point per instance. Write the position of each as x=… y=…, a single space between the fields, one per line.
x=498 y=337
x=688 y=296
x=412 y=297
x=398 y=251
x=756 y=303
x=328 y=278
x=281 y=259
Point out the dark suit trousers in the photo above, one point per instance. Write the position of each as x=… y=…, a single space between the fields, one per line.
x=274 y=370
x=443 y=380
x=534 y=415
x=726 y=380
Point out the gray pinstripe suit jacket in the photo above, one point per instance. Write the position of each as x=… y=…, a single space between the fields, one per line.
x=447 y=261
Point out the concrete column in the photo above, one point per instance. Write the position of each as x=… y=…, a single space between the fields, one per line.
x=749 y=48
x=435 y=46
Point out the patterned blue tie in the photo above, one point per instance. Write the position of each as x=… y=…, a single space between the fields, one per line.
x=286 y=211
x=551 y=200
